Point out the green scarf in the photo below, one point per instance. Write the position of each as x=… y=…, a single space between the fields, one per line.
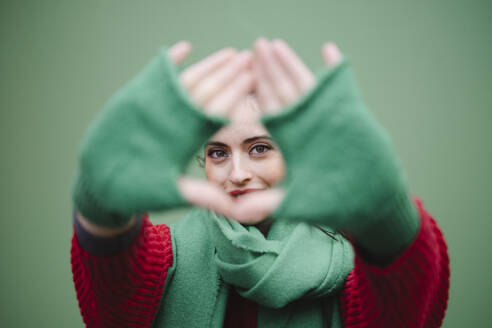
x=294 y=274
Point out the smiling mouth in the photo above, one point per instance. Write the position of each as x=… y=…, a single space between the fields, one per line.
x=237 y=193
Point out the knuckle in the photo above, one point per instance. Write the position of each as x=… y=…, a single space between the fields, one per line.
x=186 y=80
x=286 y=92
x=205 y=91
x=216 y=107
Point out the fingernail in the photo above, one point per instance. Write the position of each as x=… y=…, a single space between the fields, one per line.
x=278 y=41
x=262 y=42
x=332 y=53
x=332 y=48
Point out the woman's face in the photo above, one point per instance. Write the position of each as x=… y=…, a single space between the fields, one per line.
x=242 y=157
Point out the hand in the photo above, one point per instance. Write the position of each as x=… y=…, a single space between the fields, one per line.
x=282 y=78
x=249 y=209
x=217 y=83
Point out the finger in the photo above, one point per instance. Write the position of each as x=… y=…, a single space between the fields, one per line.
x=227 y=99
x=193 y=74
x=179 y=51
x=302 y=77
x=267 y=98
x=332 y=55
x=205 y=194
x=209 y=86
x=255 y=207
x=283 y=86
x=249 y=209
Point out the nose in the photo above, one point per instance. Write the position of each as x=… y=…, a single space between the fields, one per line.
x=240 y=173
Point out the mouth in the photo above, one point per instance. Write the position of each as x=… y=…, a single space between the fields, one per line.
x=237 y=193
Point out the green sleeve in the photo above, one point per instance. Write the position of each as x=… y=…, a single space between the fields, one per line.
x=136 y=148
x=342 y=170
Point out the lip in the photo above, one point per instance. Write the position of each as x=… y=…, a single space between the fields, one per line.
x=237 y=192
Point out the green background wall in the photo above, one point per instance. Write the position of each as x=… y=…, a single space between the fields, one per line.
x=423 y=66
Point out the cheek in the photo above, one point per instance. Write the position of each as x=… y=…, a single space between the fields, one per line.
x=272 y=170
x=215 y=173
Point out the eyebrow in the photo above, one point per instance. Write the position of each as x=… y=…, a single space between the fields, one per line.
x=245 y=141
x=252 y=139
x=215 y=143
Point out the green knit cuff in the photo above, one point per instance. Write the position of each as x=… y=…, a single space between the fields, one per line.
x=390 y=233
x=138 y=146
x=89 y=207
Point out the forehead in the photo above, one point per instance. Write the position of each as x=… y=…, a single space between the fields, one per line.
x=244 y=124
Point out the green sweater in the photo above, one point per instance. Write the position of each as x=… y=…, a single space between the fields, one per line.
x=342 y=173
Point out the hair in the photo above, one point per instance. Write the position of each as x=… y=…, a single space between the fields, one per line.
x=252 y=102
x=200 y=160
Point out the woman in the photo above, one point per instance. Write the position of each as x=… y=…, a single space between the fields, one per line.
x=268 y=251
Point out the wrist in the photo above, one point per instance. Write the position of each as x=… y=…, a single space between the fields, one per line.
x=93 y=210
x=389 y=233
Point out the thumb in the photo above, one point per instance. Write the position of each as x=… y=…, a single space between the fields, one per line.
x=257 y=206
x=179 y=51
x=331 y=54
x=205 y=194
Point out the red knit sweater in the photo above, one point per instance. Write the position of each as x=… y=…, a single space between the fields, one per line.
x=124 y=290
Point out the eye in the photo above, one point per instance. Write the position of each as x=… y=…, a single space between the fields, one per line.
x=216 y=153
x=260 y=149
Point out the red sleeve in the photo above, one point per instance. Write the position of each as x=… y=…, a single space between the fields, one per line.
x=123 y=290
x=411 y=292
